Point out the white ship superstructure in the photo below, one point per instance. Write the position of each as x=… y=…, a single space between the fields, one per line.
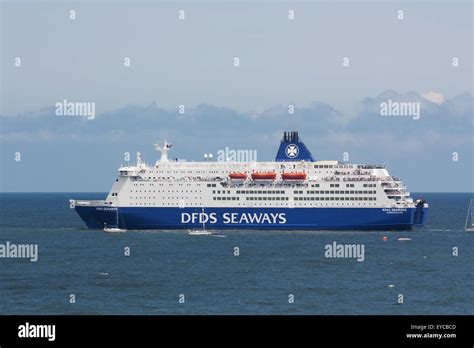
x=293 y=192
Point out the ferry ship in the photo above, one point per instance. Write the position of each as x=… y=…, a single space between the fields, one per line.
x=294 y=192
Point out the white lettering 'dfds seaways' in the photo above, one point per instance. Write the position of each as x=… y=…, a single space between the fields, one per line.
x=234 y=218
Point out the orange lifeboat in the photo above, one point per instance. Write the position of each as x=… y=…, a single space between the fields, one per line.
x=264 y=176
x=238 y=176
x=294 y=176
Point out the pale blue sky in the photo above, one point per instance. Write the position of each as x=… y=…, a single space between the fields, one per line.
x=191 y=62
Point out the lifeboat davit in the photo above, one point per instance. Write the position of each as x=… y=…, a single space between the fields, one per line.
x=238 y=176
x=294 y=176
x=264 y=176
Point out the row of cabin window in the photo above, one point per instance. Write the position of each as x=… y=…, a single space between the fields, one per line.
x=335 y=199
x=261 y=192
x=225 y=198
x=165 y=197
x=347 y=185
x=335 y=192
x=199 y=204
x=267 y=198
x=326 y=166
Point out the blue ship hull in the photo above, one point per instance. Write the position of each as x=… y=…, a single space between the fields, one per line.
x=139 y=218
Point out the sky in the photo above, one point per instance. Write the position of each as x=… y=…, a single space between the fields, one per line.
x=190 y=62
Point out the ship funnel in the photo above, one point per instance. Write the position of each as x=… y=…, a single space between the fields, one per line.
x=292 y=149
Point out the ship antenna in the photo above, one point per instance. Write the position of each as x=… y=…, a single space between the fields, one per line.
x=139 y=159
x=163 y=147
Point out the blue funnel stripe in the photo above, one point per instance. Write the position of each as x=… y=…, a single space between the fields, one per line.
x=292 y=149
